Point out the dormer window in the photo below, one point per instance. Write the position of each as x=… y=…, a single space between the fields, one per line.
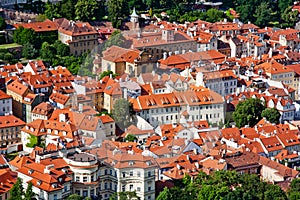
x=39 y=183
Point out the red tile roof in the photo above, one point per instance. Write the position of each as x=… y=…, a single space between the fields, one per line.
x=44 y=26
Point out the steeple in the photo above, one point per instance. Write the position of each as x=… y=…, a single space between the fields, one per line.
x=134 y=17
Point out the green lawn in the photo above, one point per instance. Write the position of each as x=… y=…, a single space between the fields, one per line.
x=8 y=46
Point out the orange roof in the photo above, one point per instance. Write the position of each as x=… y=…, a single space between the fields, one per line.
x=18 y=88
x=205 y=97
x=274 y=67
x=3 y=95
x=74 y=28
x=59 y=98
x=272 y=143
x=10 y=121
x=44 y=26
x=7 y=180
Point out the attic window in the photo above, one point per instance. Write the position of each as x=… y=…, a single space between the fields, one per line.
x=30 y=171
x=39 y=182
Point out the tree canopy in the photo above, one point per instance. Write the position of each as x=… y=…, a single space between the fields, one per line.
x=271 y=114
x=85 y=9
x=124 y=196
x=123 y=113
x=248 y=112
x=2 y=23
x=23 y=35
x=17 y=191
x=117 y=11
x=294 y=191
x=225 y=185
x=116 y=39
x=107 y=73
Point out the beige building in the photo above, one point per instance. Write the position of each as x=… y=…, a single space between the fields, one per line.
x=10 y=128
x=122 y=172
x=164 y=42
x=80 y=36
x=120 y=60
x=173 y=107
x=276 y=72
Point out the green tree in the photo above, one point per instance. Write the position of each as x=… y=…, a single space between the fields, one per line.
x=214 y=15
x=23 y=36
x=52 y=10
x=85 y=9
x=2 y=23
x=117 y=11
x=284 y=4
x=29 y=51
x=124 y=196
x=67 y=9
x=40 y=18
x=34 y=141
x=271 y=114
x=164 y=195
x=123 y=113
x=294 y=190
x=263 y=14
x=289 y=17
x=116 y=39
x=107 y=73
x=130 y=138
x=29 y=194
x=248 y=112
x=8 y=56
x=16 y=193
x=75 y=197
x=47 y=51
x=61 y=48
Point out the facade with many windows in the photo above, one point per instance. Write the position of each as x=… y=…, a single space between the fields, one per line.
x=192 y=105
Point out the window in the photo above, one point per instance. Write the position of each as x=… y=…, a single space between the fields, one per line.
x=149 y=173
x=84 y=179
x=131 y=173
x=85 y=193
x=138 y=189
x=130 y=187
x=92 y=178
x=92 y=192
x=65 y=188
x=123 y=188
x=77 y=179
x=139 y=174
x=55 y=197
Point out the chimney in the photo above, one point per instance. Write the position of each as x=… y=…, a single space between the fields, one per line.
x=165 y=55
x=80 y=108
x=62 y=117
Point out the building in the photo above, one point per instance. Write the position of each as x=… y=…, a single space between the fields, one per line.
x=85 y=168
x=110 y=126
x=48 y=181
x=223 y=82
x=159 y=109
x=6 y=104
x=23 y=100
x=132 y=62
x=10 y=130
x=80 y=36
x=46 y=30
x=165 y=41
x=276 y=72
x=121 y=172
x=42 y=111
